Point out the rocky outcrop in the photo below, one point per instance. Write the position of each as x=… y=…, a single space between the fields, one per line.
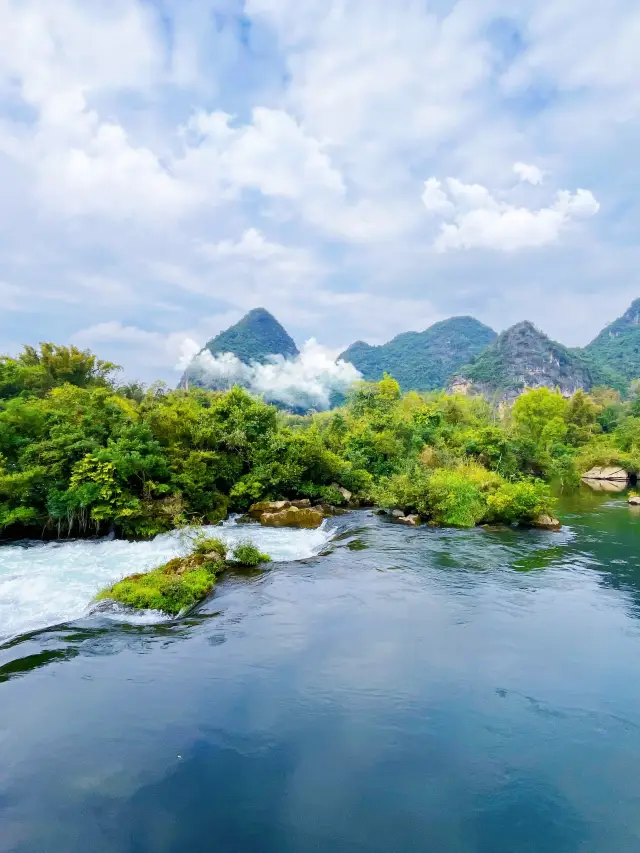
x=607 y=472
x=522 y=357
x=308 y=518
x=634 y=500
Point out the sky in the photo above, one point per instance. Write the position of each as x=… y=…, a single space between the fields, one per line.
x=359 y=168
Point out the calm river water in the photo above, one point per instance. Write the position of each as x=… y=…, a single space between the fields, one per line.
x=415 y=690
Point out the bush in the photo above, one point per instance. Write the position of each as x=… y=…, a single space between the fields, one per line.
x=209 y=544
x=246 y=554
x=454 y=500
x=520 y=501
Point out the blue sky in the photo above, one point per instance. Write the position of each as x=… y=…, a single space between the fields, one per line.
x=358 y=167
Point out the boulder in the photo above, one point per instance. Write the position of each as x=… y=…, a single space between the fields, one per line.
x=606 y=472
x=346 y=494
x=292 y=517
x=410 y=520
x=397 y=513
x=303 y=503
x=634 y=500
x=546 y=522
x=256 y=510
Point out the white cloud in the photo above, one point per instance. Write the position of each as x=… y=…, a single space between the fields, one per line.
x=434 y=199
x=529 y=173
x=307 y=381
x=477 y=219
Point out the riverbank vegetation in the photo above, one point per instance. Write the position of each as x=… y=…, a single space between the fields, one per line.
x=82 y=455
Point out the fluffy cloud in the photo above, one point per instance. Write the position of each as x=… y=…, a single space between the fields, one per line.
x=306 y=382
x=477 y=219
x=529 y=173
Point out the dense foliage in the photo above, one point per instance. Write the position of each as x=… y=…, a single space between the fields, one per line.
x=423 y=361
x=80 y=455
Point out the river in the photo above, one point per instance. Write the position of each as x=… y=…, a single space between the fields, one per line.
x=436 y=691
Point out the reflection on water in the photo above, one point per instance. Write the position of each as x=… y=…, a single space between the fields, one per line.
x=415 y=690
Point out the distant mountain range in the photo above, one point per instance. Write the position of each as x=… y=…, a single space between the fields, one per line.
x=460 y=353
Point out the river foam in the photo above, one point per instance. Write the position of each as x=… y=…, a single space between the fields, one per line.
x=44 y=584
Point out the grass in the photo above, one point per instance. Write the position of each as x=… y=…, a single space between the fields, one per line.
x=183 y=581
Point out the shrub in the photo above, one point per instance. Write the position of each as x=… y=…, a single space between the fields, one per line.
x=209 y=544
x=454 y=500
x=520 y=501
x=246 y=554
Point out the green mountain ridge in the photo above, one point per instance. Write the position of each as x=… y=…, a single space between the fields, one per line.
x=423 y=361
x=617 y=347
x=524 y=357
x=460 y=352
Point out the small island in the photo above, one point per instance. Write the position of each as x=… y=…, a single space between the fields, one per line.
x=183 y=582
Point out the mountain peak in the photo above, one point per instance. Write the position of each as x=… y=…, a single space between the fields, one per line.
x=422 y=361
x=524 y=357
x=253 y=338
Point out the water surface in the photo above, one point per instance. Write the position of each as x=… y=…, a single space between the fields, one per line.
x=417 y=690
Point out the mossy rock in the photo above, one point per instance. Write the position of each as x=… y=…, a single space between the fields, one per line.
x=178 y=584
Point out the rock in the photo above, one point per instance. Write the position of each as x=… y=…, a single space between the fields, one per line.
x=303 y=503
x=410 y=520
x=397 y=513
x=213 y=557
x=634 y=500
x=382 y=512
x=606 y=472
x=346 y=494
x=256 y=510
x=292 y=517
x=546 y=522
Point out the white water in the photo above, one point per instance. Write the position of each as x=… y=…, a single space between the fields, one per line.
x=43 y=584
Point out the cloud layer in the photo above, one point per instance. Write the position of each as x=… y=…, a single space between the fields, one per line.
x=306 y=382
x=166 y=166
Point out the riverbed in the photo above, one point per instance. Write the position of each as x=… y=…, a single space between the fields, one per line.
x=413 y=690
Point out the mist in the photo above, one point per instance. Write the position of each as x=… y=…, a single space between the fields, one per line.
x=310 y=381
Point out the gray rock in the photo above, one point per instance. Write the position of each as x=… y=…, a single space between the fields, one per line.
x=606 y=472
x=397 y=513
x=634 y=500
x=546 y=522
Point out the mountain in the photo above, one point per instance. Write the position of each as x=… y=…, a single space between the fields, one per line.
x=423 y=361
x=523 y=357
x=255 y=337
x=617 y=348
